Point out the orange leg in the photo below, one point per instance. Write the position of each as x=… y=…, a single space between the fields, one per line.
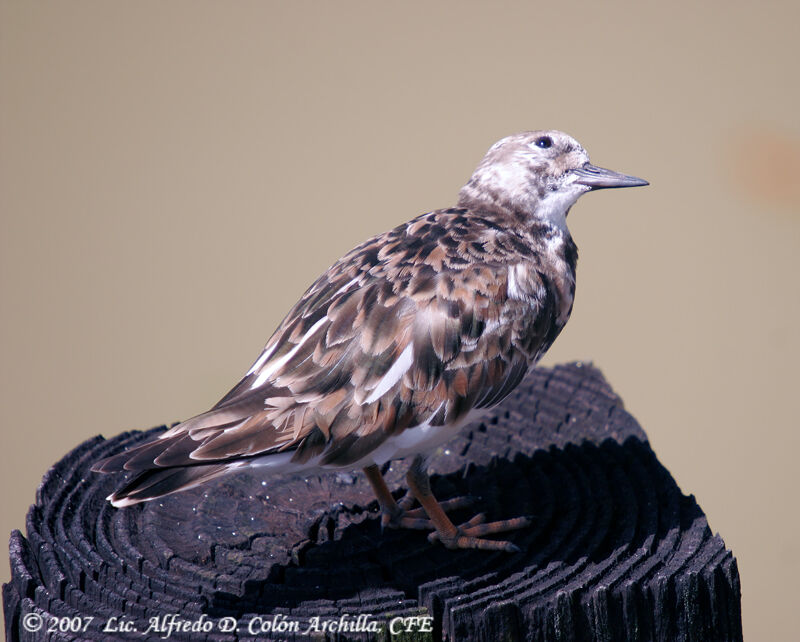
x=398 y=514
x=467 y=535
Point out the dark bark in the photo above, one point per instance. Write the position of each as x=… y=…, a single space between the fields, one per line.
x=616 y=551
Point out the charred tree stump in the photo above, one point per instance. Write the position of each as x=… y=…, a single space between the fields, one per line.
x=616 y=551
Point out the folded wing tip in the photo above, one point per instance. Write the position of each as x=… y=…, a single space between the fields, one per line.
x=122 y=502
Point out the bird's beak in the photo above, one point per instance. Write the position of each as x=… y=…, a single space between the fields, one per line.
x=600 y=178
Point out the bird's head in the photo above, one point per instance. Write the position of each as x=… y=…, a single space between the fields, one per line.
x=539 y=175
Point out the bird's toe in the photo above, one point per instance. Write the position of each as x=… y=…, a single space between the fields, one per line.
x=469 y=535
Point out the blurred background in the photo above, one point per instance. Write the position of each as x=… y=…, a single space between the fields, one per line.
x=173 y=175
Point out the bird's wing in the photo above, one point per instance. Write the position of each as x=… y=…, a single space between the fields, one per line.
x=407 y=328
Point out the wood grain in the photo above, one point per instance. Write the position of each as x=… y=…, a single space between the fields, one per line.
x=616 y=551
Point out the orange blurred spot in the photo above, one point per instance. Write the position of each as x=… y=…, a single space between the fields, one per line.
x=766 y=166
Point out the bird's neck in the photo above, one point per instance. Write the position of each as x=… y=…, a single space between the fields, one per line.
x=547 y=209
x=485 y=195
x=553 y=207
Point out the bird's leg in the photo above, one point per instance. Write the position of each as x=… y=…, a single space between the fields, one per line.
x=399 y=514
x=467 y=535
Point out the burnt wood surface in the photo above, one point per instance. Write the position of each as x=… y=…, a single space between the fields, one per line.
x=616 y=551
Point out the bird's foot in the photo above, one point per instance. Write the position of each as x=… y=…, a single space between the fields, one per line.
x=401 y=515
x=431 y=515
x=469 y=534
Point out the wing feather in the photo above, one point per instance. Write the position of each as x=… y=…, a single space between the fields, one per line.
x=410 y=326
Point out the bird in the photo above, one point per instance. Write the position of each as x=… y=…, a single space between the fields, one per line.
x=409 y=337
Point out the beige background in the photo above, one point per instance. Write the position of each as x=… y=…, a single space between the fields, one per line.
x=173 y=175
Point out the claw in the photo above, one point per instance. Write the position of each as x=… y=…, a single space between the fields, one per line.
x=468 y=534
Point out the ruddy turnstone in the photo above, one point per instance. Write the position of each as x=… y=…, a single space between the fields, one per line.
x=403 y=341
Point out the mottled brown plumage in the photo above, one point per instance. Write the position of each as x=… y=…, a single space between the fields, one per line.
x=404 y=338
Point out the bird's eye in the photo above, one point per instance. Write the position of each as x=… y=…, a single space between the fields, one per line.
x=544 y=142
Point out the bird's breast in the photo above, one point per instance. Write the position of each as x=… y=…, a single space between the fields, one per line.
x=541 y=290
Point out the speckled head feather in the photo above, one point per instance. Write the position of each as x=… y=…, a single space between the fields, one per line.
x=406 y=338
x=535 y=175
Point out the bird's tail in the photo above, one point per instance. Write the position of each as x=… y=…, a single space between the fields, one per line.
x=157 y=482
